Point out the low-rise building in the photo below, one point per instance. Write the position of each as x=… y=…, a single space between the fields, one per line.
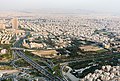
x=90 y=48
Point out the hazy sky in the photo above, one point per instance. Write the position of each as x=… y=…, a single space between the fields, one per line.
x=96 y=5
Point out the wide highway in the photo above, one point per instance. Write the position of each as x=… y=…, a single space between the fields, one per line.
x=33 y=63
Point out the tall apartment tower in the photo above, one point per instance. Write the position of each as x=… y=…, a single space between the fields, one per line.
x=15 y=23
x=2 y=24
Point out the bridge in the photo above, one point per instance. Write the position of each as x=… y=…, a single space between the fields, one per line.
x=21 y=49
x=35 y=65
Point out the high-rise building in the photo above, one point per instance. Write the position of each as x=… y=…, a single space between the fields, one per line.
x=15 y=23
x=2 y=24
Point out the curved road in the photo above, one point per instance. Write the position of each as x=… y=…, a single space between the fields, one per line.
x=33 y=63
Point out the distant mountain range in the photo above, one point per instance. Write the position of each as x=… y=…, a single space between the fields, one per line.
x=57 y=11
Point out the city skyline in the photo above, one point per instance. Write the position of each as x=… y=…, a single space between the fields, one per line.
x=65 y=40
